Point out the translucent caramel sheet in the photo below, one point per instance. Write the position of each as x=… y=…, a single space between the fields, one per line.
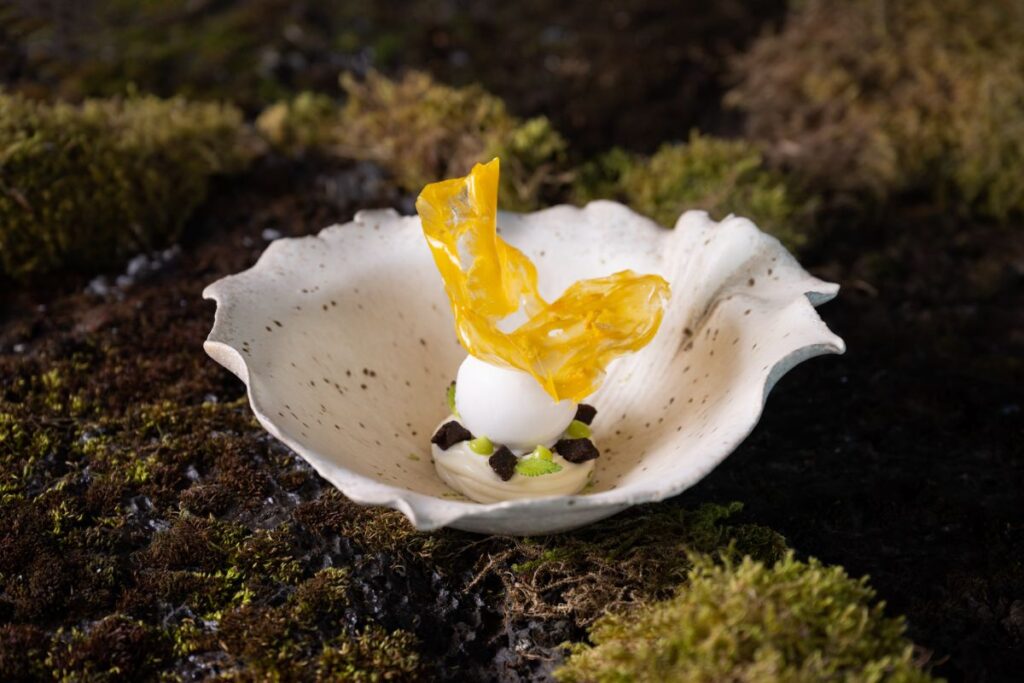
x=567 y=344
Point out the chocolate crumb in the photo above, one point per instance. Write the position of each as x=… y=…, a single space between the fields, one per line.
x=503 y=462
x=450 y=434
x=585 y=413
x=577 y=450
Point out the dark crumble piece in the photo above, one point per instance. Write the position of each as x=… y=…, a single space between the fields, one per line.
x=577 y=450
x=503 y=462
x=450 y=434
x=585 y=413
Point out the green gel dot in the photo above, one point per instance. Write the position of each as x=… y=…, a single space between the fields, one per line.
x=481 y=445
x=535 y=467
x=450 y=395
x=578 y=430
x=543 y=453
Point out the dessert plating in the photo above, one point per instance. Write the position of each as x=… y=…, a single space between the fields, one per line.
x=531 y=363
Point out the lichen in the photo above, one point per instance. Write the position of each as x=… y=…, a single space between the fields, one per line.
x=84 y=186
x=871 y=99
x=718 y=176
x=423 y=131
x=748 y=621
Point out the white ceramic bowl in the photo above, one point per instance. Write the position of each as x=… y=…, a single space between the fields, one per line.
x=345 y=342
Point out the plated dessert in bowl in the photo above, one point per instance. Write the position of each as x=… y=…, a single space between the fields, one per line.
x=532 y=361
x=348 y=340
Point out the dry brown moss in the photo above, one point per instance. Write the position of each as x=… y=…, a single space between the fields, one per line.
x=635 y=557
x=880 y=97
x=422 y=132
x=114 y=649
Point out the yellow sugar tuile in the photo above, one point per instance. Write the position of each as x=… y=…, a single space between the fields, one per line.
x=565 y=345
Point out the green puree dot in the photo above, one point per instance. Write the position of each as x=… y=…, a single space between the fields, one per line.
x=578 y=430
x=481 y=445
x=535 y=467
x=543 y=453
x=450 y=395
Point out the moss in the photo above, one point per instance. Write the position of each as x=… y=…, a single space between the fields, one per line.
x=115 y=648
x=269 y=554
x=204 y=593
x=374 y=655
x=189 y=637
x=377 y=530
x=747 y=621
x=324 y=597
x=635 y=557
x=300 y=124
x=194 y=543
x=308 y=637
x=875 y=98
x=23 y=650
x=423 y=131
x=287 y=579
x=84 y=186
x=718 y=176
x=230 y=49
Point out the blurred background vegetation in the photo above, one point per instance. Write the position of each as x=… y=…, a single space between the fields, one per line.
x=149 y=147
x=836 y=108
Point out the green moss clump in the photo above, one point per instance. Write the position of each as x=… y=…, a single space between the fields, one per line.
x=85 y=186
x=719 y=176
x=873 y=98
x=422 y=131
x=300 y=124
x=748 y=621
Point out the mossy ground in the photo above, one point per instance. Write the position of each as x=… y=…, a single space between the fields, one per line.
x=150 y=527
x=141 y=499
x=141 y=504
x=88 y=186
x=421 y=130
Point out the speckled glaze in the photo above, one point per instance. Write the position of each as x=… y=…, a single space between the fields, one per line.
x=345 y=342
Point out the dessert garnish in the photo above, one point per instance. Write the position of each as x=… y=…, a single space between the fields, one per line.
x=531 y=363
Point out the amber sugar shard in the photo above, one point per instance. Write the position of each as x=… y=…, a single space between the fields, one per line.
x=345 y=342
x=565 y=345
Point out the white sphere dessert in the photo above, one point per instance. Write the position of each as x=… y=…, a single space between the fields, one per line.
x=508 y=439
x=509 y=407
